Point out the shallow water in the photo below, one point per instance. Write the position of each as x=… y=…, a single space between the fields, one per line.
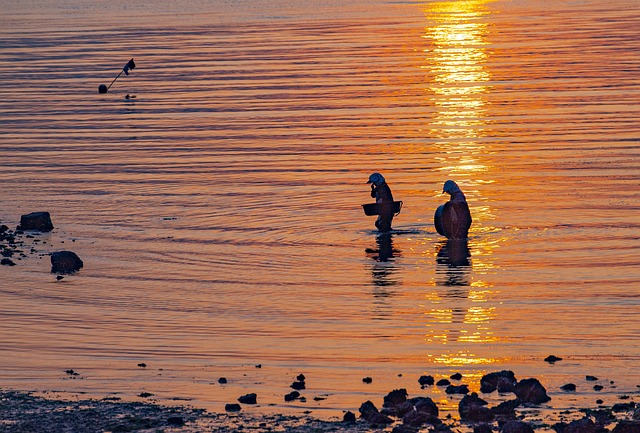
x=218 y=211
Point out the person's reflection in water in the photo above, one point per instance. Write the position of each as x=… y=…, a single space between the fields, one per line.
x=383 y=272
x=454 y=262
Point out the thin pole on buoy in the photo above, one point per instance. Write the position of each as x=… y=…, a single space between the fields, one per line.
x=128 y=67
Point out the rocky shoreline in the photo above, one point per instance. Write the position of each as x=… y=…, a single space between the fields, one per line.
x=518 y=411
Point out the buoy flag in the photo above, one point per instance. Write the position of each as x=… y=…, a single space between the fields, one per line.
x=129 y=66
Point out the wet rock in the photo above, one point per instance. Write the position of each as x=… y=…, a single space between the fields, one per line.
x=425 y=405
x=517 y=427
x=65 y=262
x=531 y=391
x=176 y=421
x=569 y=387
x=37 y=221
x=482 y=428
x=403 y=409
x=551 y=359
x=443 y=382
x=506 y=411
x=505 y=378
x=7 y=262
x=456 y=376
x=370 y=413
x=293 y=395
x=232 y=407
x=395 y=398
x=251 y=398
x=299 y=385
x=623 y=407
x=473 y=409
x=416 y=419
x=349 y=417
x=584 y=425
x=426 y=380
x=459 y=389
x=627 y=427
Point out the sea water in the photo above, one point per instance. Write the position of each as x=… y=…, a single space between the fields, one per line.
x=214 y=196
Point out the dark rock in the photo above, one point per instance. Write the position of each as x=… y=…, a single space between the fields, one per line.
x=38 y=221
x=369 y=412
x=175 y=421
x=367 y=380
x=298 y=385
x=417 y=419
x=349 y=417
x=551 y=359
x=598 y=387
x=292 y=396
x=482 y=428
x=426 y=381
x=142 y=365
x=425 y=404
x=517 y=427
x=623 y=407
x=301 y=377
x=442 y=428
x=569 y=387
x=473 y=409
x=443 y=382
x=456 y=376
x=591 y=378
x=636 y=414
x=222 y=380
x=506 y=378
x=627 y=427
x=395 y=398
x=506 y=411
x=403 y=429
x=145 y=395
x=65 y=262
x=584 y=425
x=403 y=409
x=232 y=407
x=248 y=398
x=7 y=262
x=460 y=389
x=531 y=391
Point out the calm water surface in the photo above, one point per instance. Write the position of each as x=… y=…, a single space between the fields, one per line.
x=218 y=212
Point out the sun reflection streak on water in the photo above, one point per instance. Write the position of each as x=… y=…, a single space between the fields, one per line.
x=460 y=309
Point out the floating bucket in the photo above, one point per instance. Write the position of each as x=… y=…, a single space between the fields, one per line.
x=372 y=208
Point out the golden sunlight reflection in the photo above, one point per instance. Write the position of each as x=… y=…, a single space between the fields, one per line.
x=459 y=311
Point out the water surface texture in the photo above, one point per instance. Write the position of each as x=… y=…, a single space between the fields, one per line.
x=217 y=209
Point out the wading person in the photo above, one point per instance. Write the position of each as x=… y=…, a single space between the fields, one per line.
x=453 y=218
x=384 y=199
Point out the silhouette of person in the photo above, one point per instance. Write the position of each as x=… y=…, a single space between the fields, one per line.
x=384 y=198
x=453 y=218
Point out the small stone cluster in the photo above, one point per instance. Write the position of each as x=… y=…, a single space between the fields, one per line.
x=11 y=242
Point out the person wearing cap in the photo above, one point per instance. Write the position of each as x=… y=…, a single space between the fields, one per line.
x=382 y=193
x=455 y=218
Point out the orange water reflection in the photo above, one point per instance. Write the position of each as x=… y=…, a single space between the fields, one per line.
x=460 y=308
